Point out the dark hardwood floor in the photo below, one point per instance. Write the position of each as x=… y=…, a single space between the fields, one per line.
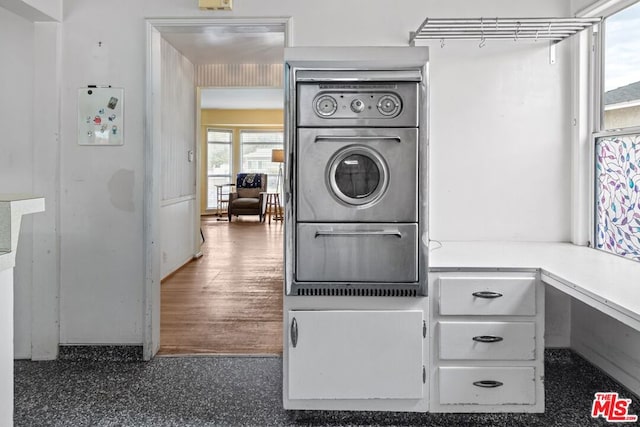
x=229 y=301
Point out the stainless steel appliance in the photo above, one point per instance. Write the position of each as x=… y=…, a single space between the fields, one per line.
x=356 y=188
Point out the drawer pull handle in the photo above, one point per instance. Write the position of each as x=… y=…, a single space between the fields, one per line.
x=487 y=294
x=356 y=138
x=487 y=338
x=294 y=332
x=487 y=384
x=395 y=233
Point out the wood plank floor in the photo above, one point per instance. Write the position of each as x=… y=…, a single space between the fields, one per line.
x=230 y=300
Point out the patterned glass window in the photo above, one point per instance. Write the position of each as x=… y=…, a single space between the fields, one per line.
x=617 y=194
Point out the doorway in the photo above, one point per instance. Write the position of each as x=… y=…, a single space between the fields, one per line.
x=205 y=28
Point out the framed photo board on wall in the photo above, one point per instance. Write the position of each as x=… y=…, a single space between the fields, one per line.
x=100 y=116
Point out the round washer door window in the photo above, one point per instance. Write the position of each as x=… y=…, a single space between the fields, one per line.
x=358 y=176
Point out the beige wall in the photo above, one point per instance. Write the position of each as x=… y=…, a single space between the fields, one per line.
x=622 y=117
x=234 y=120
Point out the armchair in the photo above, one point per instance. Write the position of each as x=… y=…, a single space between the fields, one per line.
x=250 y=197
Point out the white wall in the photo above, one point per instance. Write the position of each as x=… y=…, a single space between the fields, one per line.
x=178 y=234
x=578 y=5
x=500 y=142
x=16 y=146
x=101 y=187
x=16 y=86
x=608 y=343
x=52 y=8
x=178 y=188
x=6 y=350
x=44 y=308
x=35 y=10
x=30 y=119
x=557 y=322
x=102 y=224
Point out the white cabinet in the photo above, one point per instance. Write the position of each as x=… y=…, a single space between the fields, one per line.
x=356 y=354
x=487 y=341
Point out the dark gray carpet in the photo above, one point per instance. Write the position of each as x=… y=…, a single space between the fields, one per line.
x=212 y=391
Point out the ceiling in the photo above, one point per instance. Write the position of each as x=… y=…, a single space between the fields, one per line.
x=232 y=44
x=228 y=44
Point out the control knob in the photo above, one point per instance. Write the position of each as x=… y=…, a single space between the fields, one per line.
x=326 y=105
x=357 y=106
x=389 y=105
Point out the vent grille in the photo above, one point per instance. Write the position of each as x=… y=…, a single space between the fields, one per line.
x=351 y=292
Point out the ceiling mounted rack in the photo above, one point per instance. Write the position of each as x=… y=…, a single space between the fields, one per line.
x=482 y=29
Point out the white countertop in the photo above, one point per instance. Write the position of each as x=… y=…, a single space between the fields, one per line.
x=607 y=282
x=12 y=207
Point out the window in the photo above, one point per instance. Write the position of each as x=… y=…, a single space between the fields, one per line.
x=256 y=150
x=617 y=140
x=218 y=163
x=621 y=69
x=618 y=195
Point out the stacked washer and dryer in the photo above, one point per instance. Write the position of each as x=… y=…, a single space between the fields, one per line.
x=355 y=197
x=355 y=189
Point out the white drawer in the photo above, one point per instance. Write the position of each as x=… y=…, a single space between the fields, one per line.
x=487 y=296
x=487 y=340
x=493 y=386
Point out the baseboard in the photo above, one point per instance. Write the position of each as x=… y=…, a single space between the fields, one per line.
x=101 y=353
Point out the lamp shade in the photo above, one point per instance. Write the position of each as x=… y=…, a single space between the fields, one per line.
x=277 y=155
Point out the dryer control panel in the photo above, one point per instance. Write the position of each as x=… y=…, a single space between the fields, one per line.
x=358 y=104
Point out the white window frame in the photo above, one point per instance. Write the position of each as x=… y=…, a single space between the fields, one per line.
x=230 y=143
x=598 y=65
x=603 y=8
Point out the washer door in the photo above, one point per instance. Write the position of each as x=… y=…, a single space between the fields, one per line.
x=367 y=175
x=357 y=175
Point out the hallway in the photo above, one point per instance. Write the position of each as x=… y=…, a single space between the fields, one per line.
x=229 y=301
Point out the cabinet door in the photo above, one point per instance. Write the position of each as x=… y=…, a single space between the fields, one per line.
x=355 y=354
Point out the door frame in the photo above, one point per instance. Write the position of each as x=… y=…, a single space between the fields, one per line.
x=153 y=158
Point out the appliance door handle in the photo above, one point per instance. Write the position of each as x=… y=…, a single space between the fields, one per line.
x=294 y=332
x=487 y=338
x=487 y=384
x=289 y=179
x=329 y=233
x=394 y=138
x=487 y=294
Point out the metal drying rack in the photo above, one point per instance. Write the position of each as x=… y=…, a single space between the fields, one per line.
x=553 y=30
